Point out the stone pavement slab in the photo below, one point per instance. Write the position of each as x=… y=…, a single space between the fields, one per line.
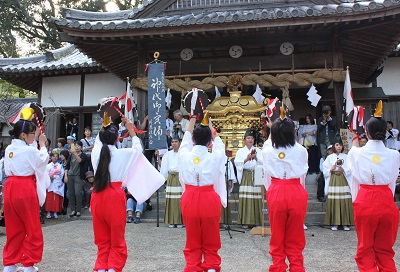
x=69 y=247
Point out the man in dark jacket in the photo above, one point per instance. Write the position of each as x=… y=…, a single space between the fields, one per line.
x=326 y=129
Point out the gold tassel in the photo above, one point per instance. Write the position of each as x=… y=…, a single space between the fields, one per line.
x=379 y=109
x=205 y=120
x=27 y=114
x=106 y=120
x=283 y=112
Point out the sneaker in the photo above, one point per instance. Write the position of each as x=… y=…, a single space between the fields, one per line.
x=180 y=226
x=245 y=226
x=12 y=268
x=86 y=207
x=334 y=228
x=130 y=219
x=305 y=227
x=137 y=220
x=171 y=226
x=346 y=228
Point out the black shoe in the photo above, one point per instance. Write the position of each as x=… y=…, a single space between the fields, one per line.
x=321 y=199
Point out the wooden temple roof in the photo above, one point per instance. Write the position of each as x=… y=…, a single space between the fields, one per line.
x=27 y=72
x=369 y=31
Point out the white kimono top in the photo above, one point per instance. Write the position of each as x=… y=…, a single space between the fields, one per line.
x=57 y=184
x=170 y=163
x=241 y=155
x=327 y=165
x=202 y=168
x=284 y=163
x=130 y=166
x=21 y=159
x=373 y=164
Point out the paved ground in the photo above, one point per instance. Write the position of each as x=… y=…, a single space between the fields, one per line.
x=69 y=247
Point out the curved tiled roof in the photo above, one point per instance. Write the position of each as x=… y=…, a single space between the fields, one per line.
x=105 y=21
x=67 y=57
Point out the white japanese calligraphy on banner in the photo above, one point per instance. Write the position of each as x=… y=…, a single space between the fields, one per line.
x=156 y=107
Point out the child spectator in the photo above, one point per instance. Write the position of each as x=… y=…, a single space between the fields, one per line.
x=55 y=192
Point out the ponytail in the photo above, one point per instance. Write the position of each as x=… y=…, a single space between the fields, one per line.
x=102 y=176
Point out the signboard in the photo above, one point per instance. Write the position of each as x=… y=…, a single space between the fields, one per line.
x=156 y=107
x=344 y=134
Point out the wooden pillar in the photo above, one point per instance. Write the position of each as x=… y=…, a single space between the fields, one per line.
x=141 y=95
x=338 y=86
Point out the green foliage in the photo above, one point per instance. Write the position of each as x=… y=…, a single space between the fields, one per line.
x=29 y=21
x=8 y=90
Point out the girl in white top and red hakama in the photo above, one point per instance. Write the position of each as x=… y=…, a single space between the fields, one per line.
x=24 y=192
x=55 y=192
x=115 y=168
x=285 y=165
x=203 y=180
x=375 y=169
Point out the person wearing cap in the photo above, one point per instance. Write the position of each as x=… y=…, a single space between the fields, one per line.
x=327 y=130
x=321 y=178
x=285 y=168
x=88 y=186
x=24 y=191
x=114 y=168
x=250 y=197
x=55 y=192
x=337 y=173
x=203 y=182
x=375 y=169
x=173 y=190
x=70 y=140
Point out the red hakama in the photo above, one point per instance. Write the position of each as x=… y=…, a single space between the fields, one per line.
x=287 y=207
x=54 y=202
x=109 y=220
x=376 y=219
x=201 y=211
x=24 y=233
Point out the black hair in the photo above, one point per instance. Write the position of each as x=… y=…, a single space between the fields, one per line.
x=62 y=141
x=282 y=133
x=65 y=153
x=376 y=128
x=201 y=135
x=334 y=149
x=108 y=136
x=390 y=122
x=312 y=121
x=22 y=126
x=79 y=143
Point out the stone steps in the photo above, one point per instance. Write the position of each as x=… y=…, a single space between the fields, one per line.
x=315 y=211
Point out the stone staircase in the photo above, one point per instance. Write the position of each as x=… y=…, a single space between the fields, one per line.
x=315 y=212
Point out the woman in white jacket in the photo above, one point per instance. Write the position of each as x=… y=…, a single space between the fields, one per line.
x=339 y=211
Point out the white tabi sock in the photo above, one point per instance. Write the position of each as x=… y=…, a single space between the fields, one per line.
x=111 y=270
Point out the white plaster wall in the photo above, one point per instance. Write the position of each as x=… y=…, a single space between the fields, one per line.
x=64 y=90
x=389 y=80
x=5 y=131
x=98 y=86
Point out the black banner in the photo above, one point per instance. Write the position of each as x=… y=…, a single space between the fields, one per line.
x=156 y=107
